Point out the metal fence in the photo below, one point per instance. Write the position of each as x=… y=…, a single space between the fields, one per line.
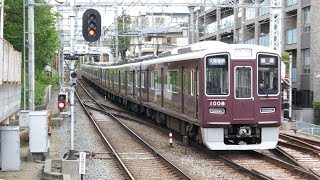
x=307 y=128
x=303 y=127
x=10 y=64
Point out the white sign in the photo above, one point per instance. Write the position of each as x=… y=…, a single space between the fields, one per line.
x=243 y=52
x=82 y=163
x=81 y=49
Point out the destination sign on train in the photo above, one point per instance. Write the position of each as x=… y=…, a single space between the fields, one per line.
x=267 y=61
x=216 y=61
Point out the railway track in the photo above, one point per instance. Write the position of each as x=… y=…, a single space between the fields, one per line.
x=264 y=166
x=273 y=168
x=136 y=157
x=301 y=151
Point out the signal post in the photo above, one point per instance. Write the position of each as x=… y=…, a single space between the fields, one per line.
x=91 y=30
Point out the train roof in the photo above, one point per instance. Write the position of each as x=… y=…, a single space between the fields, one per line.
x=194 y=51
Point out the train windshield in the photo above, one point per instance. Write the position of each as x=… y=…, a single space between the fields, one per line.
x=217 y=75
x=268 y=75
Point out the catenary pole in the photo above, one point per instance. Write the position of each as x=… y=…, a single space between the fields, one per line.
x=31 y=53
x=24 y=57
x=1 y=18
x=72 y=88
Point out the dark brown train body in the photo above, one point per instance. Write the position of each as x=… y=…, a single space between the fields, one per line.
x=224 y=96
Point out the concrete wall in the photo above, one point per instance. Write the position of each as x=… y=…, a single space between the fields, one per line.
x=10 y=98
x=304 y=115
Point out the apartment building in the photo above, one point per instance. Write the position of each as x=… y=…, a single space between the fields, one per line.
x=300 y=34
x=160 y=32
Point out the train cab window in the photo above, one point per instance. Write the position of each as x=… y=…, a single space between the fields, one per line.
x=217 y=75
x=268 y=75
x=155 y=80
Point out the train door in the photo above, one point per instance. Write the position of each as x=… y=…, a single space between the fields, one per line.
x=119 y=81
x=133 y=83
x=162 y=86
x=147 y=84
x=197 y=91
x=105 y=78
x=243 y=102
x=183 y=79
x=126 y=85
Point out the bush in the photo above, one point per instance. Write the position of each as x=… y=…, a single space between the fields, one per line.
x=316 y=109
x=42 y=81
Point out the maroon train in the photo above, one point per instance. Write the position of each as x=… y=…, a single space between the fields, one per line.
x=226 y=96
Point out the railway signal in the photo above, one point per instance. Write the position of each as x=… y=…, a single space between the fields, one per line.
x=62 y=98
x=91 y=25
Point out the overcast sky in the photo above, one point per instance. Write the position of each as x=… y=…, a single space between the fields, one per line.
x=107 y=13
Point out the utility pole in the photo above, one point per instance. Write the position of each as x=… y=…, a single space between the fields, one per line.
x=24 y=57
x=60 y=56
x=191 y=25
x=290 y=86
x=140 y=33
x=1 y=18
x=116 y=33
x=31 y=53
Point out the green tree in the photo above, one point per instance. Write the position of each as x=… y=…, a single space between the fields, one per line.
x=46 y=35
x=46 y=38
x=285 y=60
x=124 y=41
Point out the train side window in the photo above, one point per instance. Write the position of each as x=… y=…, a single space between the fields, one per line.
x=186 y=82
x=122 y=78
x=110 y=77
x=115 y=78
x=173 y=81
x=143 y=75
x=130 y=79
x=137 y=79
x=155 y=80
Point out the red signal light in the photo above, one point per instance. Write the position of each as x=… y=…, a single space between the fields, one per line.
x=61 y=105
x=62 y=97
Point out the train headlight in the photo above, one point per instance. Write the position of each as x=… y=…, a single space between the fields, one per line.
x=217 y=110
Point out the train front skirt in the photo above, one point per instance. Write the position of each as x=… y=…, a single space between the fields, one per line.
x=213 y=138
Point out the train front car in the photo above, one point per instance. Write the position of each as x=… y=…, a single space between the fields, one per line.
x=241 y=103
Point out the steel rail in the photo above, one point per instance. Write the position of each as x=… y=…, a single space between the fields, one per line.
x=301 y=141
x=143 y=142
x=105 y=141
x=305 y=140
